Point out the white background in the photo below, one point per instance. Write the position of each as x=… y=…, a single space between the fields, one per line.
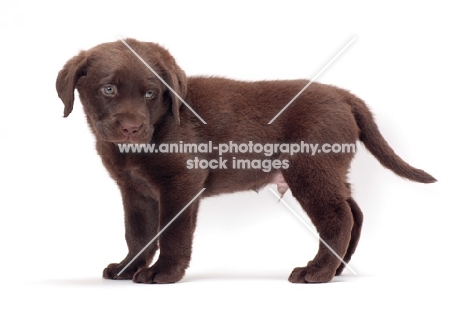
x=61 y=218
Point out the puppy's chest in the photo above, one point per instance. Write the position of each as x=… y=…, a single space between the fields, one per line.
x=132 y=172
x=139 y=181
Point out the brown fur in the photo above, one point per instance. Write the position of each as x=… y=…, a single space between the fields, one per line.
x=156 y=186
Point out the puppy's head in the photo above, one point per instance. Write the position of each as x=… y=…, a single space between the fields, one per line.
x=121 y=96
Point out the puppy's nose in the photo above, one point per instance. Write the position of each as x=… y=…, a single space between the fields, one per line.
x=130 y=129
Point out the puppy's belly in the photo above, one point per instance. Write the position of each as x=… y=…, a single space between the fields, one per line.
x=281 y=184
x=243 y=180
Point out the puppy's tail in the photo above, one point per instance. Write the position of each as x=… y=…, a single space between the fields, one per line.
x=378 y=146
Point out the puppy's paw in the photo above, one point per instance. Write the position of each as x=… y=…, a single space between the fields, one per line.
x=311 y=275
x=150 y=276
x=340 y=269
x=112 y=271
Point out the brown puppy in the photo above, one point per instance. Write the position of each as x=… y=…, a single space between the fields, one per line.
x=125 y=102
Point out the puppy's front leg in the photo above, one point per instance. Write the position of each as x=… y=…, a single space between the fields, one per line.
x=175 y=241
x=141 y=225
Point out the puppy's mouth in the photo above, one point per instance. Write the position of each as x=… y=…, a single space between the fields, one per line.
x=124 y=133
x=117 y=138
x=129 y=140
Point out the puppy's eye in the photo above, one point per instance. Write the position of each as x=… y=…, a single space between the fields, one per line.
x=149 y=94
x=109 y=90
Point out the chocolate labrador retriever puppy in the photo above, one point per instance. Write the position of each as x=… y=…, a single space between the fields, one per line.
x=125 y=102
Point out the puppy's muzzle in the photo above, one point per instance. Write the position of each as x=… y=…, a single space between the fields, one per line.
x=126 y=127
x=130 y=129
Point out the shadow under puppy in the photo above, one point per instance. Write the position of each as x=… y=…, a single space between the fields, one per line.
x=125 y=102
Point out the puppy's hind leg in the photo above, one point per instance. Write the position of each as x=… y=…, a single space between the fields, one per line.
x=355 y=233
x=322 y=194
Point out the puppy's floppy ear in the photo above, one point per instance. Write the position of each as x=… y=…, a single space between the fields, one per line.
x=178 y=81
x=67 y=79
x=174 y=76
